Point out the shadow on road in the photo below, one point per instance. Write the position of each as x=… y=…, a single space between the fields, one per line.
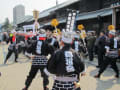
x=4 y=65
x=105 y=84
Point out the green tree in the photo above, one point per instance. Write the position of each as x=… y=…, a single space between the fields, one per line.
x=7 y=25
x=10 y=26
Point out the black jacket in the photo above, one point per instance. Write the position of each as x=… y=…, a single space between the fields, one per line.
x=52 y=41
x=45 y=47
x=101 y=44
x=110 y=43
x=78 y=47
x=57 y=63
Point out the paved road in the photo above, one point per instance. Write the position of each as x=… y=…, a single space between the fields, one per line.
x=14 y=75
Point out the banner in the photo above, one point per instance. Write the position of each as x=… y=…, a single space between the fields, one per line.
x=71 y=18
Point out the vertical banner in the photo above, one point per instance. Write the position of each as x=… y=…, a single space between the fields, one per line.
x=71 y=18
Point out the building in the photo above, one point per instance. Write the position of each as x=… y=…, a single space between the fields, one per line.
x=18 y=14
x=94 y=14
x=24 y=19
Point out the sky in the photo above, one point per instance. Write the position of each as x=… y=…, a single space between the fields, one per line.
x=6 y=7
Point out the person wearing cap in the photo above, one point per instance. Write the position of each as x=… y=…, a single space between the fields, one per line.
x=66 y=65
x=111 y=55
x=39 y=49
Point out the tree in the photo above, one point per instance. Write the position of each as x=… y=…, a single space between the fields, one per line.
x=7 y=25
x=10 y=26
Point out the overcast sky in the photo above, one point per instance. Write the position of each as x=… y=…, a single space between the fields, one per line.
x=6 y=6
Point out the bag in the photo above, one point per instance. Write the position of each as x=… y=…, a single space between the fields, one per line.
x=112 y=54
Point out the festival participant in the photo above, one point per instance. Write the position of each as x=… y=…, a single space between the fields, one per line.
x=66 y=65
x=40 y=49
x=13 y=47
x=111 y=55
x=77 y=45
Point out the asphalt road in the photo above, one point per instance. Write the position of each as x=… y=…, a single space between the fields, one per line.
x=14 y=75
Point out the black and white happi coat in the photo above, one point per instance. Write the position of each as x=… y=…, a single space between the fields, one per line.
x=111 y=45
x=53 y=42
x=65 y=64
x=78 y=47
x=41 y=49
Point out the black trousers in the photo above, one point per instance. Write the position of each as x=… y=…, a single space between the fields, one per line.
x=100 y=58
x=32 y=74
x=10 y=53
x=90 y=53
x=109 y=61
